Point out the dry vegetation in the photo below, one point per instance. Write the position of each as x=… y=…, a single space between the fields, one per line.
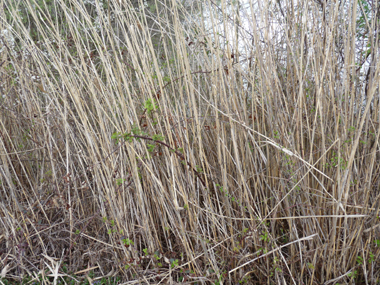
x=162 y=148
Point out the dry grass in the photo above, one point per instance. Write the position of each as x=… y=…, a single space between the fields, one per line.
x=143 y=145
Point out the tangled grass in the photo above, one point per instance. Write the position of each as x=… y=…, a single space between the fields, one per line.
x=155 y=146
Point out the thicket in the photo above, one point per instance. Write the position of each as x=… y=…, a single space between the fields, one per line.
x=191 y=142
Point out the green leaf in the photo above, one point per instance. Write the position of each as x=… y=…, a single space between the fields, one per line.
x=116 y=136
x=158 y=137
x=151 y=147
